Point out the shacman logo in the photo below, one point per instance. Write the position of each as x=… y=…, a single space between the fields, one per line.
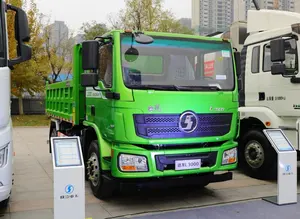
x=188 y=122
x=69 y=189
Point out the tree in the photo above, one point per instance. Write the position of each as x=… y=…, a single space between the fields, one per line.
x=93 y=29
x=28 y=76
x=147 y=15
x=59 y=53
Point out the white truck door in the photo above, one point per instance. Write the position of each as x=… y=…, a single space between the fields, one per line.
x=251 y=75
x=281 y=95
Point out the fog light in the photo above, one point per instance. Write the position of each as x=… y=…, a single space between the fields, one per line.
x=229 y=156
x=133 y=163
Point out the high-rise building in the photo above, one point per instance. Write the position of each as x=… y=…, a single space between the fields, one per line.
x=59 y=33
x=297 y=6
x=211 y=16
x=187 y=22
x=239 y=13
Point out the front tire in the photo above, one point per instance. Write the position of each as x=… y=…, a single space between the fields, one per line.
x=257 y=157
x=101 y=188
x=4 y=203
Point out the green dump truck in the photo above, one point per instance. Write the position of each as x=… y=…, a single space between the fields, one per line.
x=151 y=109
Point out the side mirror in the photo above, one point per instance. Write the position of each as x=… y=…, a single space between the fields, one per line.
x=277 y=50
x=90 y=55
x=143 y=39
x=278 y=69
x=89 y=80
x=90 y=61
x=22 y=35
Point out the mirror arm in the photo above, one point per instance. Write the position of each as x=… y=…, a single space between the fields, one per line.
x=100 y=90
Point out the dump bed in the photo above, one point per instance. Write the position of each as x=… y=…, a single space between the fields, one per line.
x=63 y=102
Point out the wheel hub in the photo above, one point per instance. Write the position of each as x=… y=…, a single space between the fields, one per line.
x=93 y=169
x=254 y=154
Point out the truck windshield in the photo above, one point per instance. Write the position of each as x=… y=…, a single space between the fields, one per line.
x=177 y=64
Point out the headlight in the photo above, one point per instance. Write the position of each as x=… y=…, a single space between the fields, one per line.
x=229 y=156
x=133 y=163
x=3 y=156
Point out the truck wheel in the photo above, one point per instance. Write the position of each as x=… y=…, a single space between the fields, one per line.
x=257 y=157
x=100 y=187
x=4 y=203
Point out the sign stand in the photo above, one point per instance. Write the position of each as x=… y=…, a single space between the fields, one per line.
x=69 y=185
x=286 y=170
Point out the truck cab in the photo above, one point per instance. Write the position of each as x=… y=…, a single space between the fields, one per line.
x=269 y=85
x=6 y=64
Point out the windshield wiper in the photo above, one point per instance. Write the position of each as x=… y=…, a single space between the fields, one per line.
x=156 y=87
x=176 y=87
x=198 y=88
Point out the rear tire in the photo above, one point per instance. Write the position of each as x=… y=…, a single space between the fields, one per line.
x=256 y=156
x=101 y=188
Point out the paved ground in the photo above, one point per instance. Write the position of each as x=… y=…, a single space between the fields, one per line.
x=246 y=210
x=32 y=195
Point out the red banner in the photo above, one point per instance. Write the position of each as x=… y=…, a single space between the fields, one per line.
x=209 y=68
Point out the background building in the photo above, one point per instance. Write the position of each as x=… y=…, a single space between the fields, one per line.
x=59 y=33
x=297 y=6
x=239 y=13
x=187 y=22
x=210 y=16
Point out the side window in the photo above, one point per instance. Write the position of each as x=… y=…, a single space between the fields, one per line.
x=291 y=60
x=255 y=59
x=291 y=57
x=105 y=65
x=267 y=58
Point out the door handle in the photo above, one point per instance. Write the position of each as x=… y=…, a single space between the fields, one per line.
x=261 y=96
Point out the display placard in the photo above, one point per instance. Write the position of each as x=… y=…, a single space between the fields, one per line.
x=66 y=151
x=279 y=140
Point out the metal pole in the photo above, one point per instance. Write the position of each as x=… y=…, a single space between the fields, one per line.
x=256 y=5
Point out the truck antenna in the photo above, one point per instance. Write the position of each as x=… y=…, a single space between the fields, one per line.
x=256 y=5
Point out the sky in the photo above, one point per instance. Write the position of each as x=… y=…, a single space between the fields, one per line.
x=75 y=12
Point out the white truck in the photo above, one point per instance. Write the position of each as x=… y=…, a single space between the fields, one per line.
x=6 y=64
x=269 y=84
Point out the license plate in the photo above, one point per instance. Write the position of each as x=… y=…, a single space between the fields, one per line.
x=187 y=164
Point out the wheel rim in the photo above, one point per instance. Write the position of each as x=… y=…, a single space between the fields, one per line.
x=93 y=169
x=254 y=154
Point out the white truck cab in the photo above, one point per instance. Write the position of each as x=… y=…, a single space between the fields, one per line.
x=269 y=84
x=24 y=54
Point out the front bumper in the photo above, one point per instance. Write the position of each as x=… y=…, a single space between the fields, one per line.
x=161 y=163
x=5 y=192
x=167 y=182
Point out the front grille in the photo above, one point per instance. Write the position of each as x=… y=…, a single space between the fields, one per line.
x=167 y=125
x=181 y=146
